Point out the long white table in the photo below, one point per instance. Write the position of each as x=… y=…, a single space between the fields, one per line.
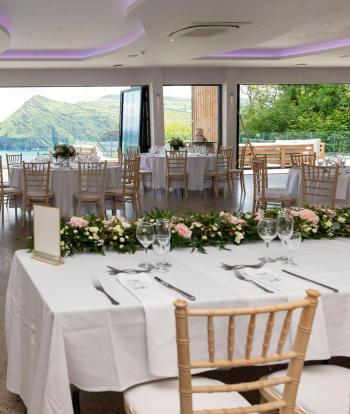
x=343 y=187
x=61 y=331
x=64 y=183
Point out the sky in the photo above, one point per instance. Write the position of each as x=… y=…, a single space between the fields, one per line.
x=12 y=99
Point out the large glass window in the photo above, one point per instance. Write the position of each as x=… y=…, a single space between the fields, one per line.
x=34 y=119
x=191 y=112
x=318 y=113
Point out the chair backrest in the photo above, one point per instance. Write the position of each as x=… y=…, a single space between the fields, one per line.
x=92 y=177
x=319 y=185
x=242 y=157
x=130 y=176
x=298 y=159
x=176 y=162
x=36 y=177
x=13 y=160
x=296 y=356
x=272 y=153
x=133 y=151
x=301 y=149
x=260 y=177
x=224 y=159
x=1 y=177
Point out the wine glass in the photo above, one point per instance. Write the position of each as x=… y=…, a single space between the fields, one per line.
x=267 y=230
x=292 y=244
x=145 y=235
x=285 y=224
x=162 y=241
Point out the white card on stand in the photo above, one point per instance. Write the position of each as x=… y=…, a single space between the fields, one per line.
x=47 y=235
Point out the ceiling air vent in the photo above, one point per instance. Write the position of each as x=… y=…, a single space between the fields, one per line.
x=206 y=29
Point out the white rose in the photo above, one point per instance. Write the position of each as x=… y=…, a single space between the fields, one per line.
x=122 y=239
x=115 y=237
x=341 y=219
x=75 y=231
x=204 y=237
x=239 y=237
x=121 y=246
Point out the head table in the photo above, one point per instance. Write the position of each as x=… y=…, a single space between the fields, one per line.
x=61 y=331
x=197 y=166
x=64 y=183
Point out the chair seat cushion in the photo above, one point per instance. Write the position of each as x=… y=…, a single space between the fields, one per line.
x=145 y=172
x=213 y=173
x=12 y=191
x=323 y=389
x=87 y=196
x=39 y=194
x=278 y=194
x=162 y=397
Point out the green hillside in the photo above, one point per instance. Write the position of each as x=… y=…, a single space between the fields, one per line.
x=39 y=119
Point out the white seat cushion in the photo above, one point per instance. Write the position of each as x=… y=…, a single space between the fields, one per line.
x=323 y=389
x=162 y=397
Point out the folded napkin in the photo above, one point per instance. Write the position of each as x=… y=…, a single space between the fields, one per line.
x=157 y=302
x=295 y=290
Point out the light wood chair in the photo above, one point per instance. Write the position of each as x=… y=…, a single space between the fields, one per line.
x=133 y=151
x=7 y=194
x=262 y=194
x=198 y=395
x=92 y=185
x=221 y=173
x=288 y=150
x=298 y=159
x=319 y=185
x=323 y=389
x=176 y=162
x=130 y=187
x=13 y=160
x=239 y=171
x=36 y=185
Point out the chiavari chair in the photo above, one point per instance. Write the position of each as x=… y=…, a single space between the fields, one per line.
x=7 y=194
x=239 y=171
x=319 y=185
x=176 y=162
x=133 y=151
x=198 y=395
x=221 y=173
x=13 y=160
x=298 y=159
x=36 y=185
x=262 y=194
x=92 y=184
x=130 y=187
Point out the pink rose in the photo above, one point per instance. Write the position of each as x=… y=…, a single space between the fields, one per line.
x=259 y=215
x=230 y=218
x=183 y=230
x=309 y=215
x=77 y=222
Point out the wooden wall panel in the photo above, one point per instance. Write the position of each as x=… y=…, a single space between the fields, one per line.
x=205 y=110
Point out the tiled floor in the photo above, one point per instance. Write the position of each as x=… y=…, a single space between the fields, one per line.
x=108 y=402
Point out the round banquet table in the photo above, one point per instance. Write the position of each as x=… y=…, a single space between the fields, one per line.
x=342 y=196
x=197 y=165
x=64 y=183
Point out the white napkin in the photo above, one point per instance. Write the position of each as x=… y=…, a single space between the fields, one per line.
x=342 y=187
x=295 y=289
x=157 y=302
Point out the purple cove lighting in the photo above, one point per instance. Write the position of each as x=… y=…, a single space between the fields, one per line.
x=76 y=54
x=282 y=53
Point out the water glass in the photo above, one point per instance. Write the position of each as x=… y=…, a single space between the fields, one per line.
x=292 y=244
x=145 y=235
x=162 y=240
x=285 y=224
x=267 y=230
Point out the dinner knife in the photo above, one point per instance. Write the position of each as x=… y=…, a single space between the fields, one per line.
x=310 y=280
x=169 y=286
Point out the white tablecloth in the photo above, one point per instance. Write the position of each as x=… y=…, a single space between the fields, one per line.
x=60 y=331
x=196 y=168
x=343 y=187
x=64 y=183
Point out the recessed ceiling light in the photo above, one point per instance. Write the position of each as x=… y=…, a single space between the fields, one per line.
x=172 y=39
x=326 y=24
x=133 y=55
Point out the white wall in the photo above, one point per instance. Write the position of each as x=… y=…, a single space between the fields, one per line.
x=157 y=77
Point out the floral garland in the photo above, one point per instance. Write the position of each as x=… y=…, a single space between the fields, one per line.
x=195 y=230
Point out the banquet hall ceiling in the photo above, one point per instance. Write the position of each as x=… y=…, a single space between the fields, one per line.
x=135 y=33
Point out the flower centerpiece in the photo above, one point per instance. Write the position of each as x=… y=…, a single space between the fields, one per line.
x=63 y=152
x=176 y=143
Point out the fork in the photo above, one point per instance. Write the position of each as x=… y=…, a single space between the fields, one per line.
x=240 y=276
x=236 y=267
x=97 y=285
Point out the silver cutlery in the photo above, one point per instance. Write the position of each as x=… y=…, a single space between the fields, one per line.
x=97 y=285
x=240 y=276
x=115 y=271
x=169 y=286
x=311 y=280
x=242 y=266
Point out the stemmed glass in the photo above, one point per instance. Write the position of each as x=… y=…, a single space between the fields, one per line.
x=161 y=245
x=285 y=225
x=291 y=244
x=267 y=230
x=145 y=235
